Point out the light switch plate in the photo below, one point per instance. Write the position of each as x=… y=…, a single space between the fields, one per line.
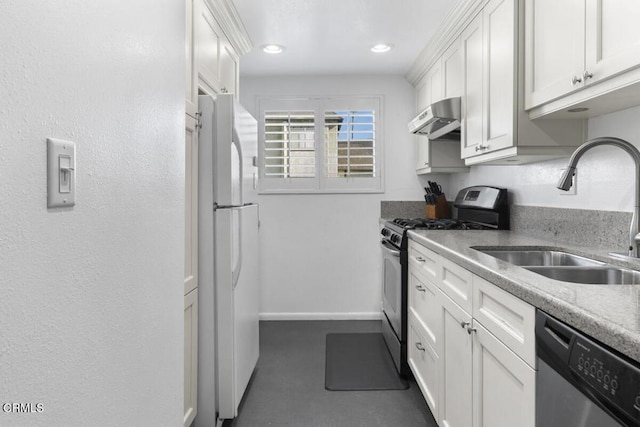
x=61 y=173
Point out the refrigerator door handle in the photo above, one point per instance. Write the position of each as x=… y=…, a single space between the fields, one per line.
x=235 y=274
x=236 y=141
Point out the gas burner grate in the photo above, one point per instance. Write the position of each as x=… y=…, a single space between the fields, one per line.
x=438 y=224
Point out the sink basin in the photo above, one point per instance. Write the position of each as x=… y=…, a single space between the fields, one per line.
x=564 y=266
x=540 y=258
x=603 y=275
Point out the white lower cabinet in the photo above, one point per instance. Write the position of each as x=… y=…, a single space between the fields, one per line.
x=456 y=366
x=468 y=376
x=190 y=357
x=504 y=385
x=424 y=362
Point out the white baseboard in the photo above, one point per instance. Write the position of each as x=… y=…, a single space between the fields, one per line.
x=321 y=316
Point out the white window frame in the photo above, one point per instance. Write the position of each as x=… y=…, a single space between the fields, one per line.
x=321 y=183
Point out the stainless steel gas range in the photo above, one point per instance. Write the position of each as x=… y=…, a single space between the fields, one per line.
x=478 y=208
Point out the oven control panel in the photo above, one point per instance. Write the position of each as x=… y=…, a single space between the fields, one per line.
x=613 y=377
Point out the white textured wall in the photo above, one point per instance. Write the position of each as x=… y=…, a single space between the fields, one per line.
x=320 y=253
x=91 y=297
x=606 y=175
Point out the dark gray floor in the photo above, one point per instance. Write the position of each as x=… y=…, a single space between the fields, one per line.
x=287 y=388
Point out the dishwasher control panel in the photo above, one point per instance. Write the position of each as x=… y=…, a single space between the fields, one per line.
x=612 y=376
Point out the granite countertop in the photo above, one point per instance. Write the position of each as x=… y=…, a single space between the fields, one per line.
x=608 y=313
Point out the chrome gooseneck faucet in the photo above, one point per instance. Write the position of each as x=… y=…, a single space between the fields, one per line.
x=566 y=181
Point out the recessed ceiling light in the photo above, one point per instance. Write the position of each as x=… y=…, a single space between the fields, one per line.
x=272 y=48
x=381 y=48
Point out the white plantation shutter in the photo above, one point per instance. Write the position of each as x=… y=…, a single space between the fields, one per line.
x=320 y=145
x=349 y=139
x=289 y=144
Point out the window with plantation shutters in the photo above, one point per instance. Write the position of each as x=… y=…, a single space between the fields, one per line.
x=320 y=145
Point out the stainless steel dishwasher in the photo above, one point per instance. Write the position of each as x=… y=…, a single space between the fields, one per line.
x=581 y=382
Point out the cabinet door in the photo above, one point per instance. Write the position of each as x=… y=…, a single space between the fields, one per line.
x=434 y=83
x=422 y=153
x=472 y=88
x=422 y=95
x=228 y=68
x=503 y=384
x=424 y=363
x=456 y=366
x=191 y=81
x=612 y=37
x=452 y=71
x=554 y=48
x=430 y=87
x=499 y=27
x=190 y=357
x=191 y=206
x=208 y=35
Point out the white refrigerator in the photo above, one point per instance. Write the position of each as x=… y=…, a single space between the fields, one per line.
x=228 y=257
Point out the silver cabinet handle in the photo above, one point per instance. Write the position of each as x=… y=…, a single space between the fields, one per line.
x=470 y=330
x=420 y=288
x=575 y=80
x=587 y=75
x=464 y=324
x=481 y=147
x=420 y=259
x=419 y=346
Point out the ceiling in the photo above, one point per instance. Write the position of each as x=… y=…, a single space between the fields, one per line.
x=335 y=36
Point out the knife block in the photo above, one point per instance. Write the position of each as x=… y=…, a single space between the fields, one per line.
x=441 y=210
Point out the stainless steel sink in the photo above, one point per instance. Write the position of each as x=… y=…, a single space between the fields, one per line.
x=567 y=267
x=604 y=275
x=541 y=258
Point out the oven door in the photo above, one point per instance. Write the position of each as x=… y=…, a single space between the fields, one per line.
x=392 y=286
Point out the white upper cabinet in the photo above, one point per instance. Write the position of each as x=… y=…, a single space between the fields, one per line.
x=451 y=64
x=495 y=127
x=479 y=55
x=442 y=80
x=581 y=53
x=216 y=60
x=554 y=48
x=430 y=88
x=612 y=42
x=191 y=80
x=472 y=88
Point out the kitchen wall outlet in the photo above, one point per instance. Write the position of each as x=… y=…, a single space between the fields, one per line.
x=574 y=188
x=61 y=173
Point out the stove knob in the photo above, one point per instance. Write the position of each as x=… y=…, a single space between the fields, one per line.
x=395 y=239
x=384 y=232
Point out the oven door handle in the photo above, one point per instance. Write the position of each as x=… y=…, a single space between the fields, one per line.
x=389 y=248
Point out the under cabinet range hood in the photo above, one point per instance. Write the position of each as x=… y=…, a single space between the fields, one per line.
x=440 y=119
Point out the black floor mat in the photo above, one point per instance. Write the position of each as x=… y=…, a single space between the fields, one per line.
x=360 y=361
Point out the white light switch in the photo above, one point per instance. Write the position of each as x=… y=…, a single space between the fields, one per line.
x=61 y=173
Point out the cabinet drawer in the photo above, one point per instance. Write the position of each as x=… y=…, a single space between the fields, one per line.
x=425 y=259
x=423 y=361
x=424 y=305
x=456 y=283
x=507 y=317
